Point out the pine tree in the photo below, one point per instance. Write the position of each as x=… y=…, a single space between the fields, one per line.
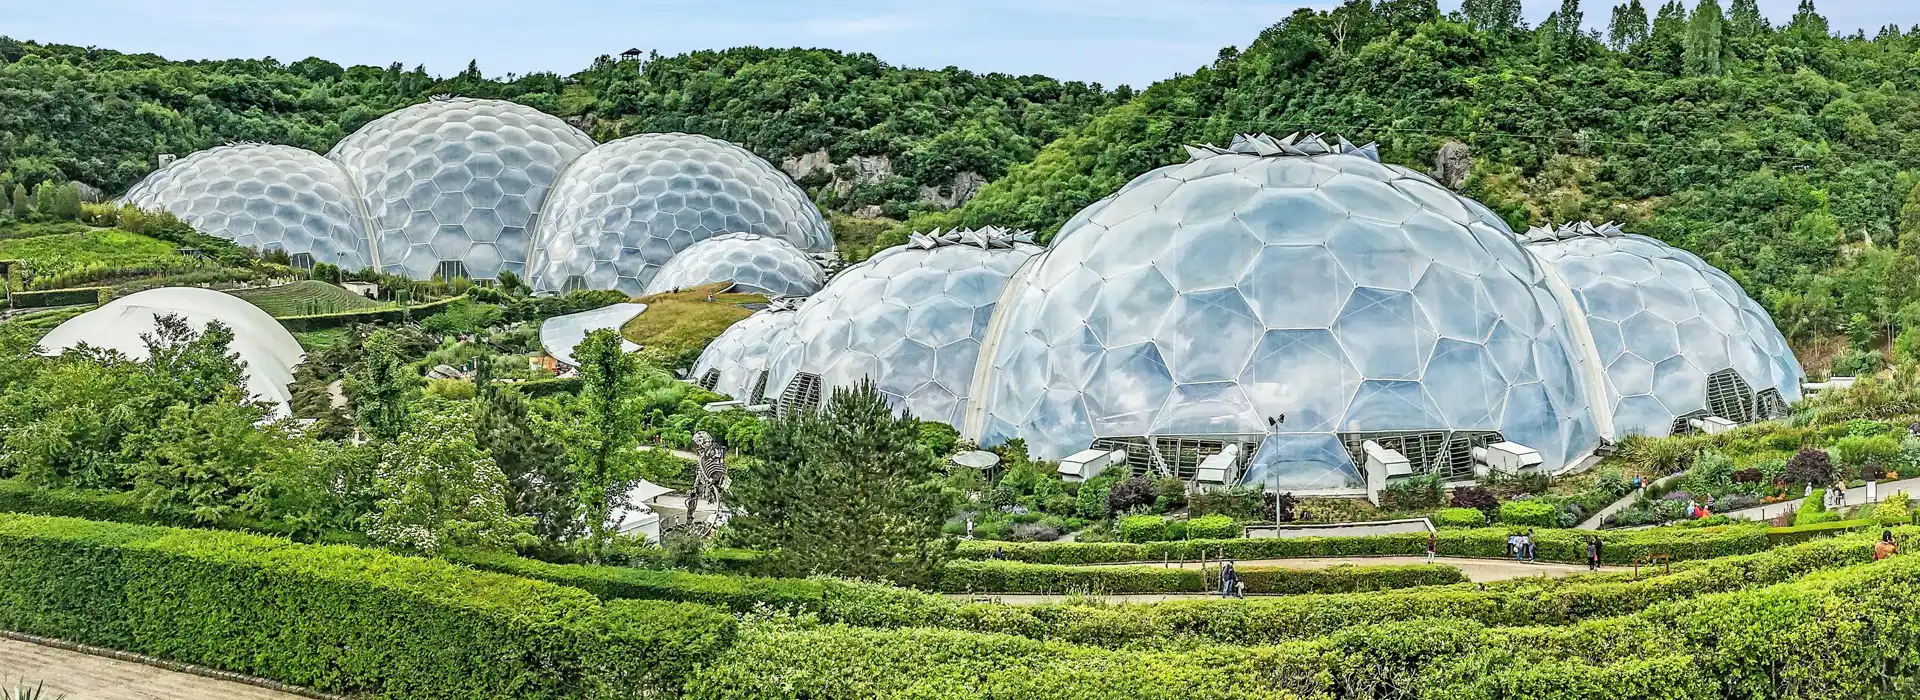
x=1704 y=40
x=1629 y=26
x=1570 y=21
x=847 y=491
x=1669 y=36
x=1744 y=19
x=22 y=207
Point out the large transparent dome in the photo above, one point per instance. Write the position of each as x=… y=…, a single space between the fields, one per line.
x=269 y=351
x=752 y=262
x=735 y=363
x=263 y=196
x=911 y=318
x=457 y=180
x=1678 y=338
x=628 y=206
x=1293 y=294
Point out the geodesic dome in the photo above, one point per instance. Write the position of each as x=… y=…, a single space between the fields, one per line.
x=269 y=351
x=263 y=196
x=752 y=262
x=1296 y=297
x=629 y=205
x=1677 y=337
x=457 y=180
x=910 y=318
x=735 y=363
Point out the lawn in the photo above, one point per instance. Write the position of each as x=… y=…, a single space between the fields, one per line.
x=681 y=323
x=307 y=298
x=64 y=254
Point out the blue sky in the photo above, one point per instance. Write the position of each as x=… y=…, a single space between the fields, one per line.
x=1110 y=41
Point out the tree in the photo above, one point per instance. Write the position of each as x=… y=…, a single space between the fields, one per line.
x=1744 y=19
x=846 y=491
x=539 y=483
x=1705 y=33
x=1808 y=22
x=1629 y=26
x=600 y=432
x=1492 y=16
x=192 y=367
x=382 y=387
x=197 y=460
x=438 y=490
x=22 y=207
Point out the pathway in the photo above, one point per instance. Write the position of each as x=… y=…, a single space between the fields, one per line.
x=1477 y=570
x=78 y=676
x=1855 y=496
x=1625 y=502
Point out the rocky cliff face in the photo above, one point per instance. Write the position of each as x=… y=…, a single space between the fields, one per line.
x=841 y=179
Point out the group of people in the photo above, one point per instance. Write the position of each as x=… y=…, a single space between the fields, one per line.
x=1230 y=584
x=1520 y=546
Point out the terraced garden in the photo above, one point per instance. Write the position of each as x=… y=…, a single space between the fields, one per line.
x=308 y=298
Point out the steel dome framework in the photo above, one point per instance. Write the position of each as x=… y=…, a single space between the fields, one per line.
x=752 y=262
x=263 y=196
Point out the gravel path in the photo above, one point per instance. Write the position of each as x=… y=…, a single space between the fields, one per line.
x=80 y=676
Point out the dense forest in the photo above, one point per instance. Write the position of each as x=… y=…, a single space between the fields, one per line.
x=1776 y=148
x=100 y=116
x=1781 y=152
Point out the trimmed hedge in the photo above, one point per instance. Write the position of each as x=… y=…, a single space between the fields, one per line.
x=1568 y=546
x=17 y=496
x=547 y=387
x=1213 y=527
x=1529 y=513
x=1016 y=577
x=1802 y=533
x=740 y=593
x=341 y=619
x=316 y=322
x=58 y=297
x=1849 y=633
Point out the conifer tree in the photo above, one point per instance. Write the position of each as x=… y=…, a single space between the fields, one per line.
x=1744 y=19
x=847 y=491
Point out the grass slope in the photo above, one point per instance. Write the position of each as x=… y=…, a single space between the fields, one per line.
x=306 y=298
x=682 y=322
x=114 y=248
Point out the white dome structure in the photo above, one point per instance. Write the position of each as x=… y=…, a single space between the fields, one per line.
x=626 y=208
x=1679 y=340
x=911 y=318
x=752 y=262
x=1294 y=298
x=735 y=363
x=269 y=351
x=452 y=186
x=263 y=196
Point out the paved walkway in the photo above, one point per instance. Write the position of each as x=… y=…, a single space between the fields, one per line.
x=78 y=676
x=1625 y=502
x=1855 y=496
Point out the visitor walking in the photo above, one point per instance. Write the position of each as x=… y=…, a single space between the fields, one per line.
x=1593 y=554
x=1228 y=579
x=1885 y=547
x=1433 y=546
x=1840 y=494
x=1513 y=545
x=1527 y=543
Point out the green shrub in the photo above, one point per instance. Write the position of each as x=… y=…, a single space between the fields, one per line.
x=1813 y=509
x=1142 y=528
x=740 y=593
x=1896 y=510
x=1827 y=525
x=1460 y=517
x=340 y=619
x=1529 y=513
x=57 y=297
x=379 y=315
x=1213 y=527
